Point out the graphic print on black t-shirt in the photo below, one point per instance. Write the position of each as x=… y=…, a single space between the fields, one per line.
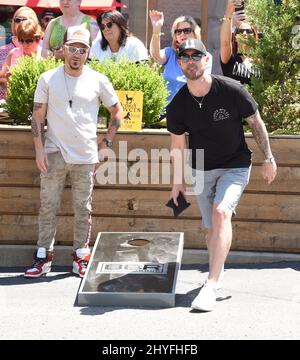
x=236 y=69
x=217 y=126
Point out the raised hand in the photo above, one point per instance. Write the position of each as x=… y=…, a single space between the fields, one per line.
x=157 y=19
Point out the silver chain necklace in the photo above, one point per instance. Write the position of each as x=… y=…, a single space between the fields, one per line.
x=198 y=102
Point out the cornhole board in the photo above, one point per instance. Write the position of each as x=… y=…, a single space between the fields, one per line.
x=132 y=269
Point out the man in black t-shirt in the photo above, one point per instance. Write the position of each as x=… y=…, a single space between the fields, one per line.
x=211 y=109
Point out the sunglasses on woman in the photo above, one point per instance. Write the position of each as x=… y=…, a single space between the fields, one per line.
x=186 y=31
x=27 y=41
x=241 y=31
x=108 y=25
x=17 y=20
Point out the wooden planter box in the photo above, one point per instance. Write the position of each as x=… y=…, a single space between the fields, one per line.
x=268 y=217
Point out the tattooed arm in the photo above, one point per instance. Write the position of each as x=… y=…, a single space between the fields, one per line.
x=259 y=131
x=37 y=129
x=116 y=116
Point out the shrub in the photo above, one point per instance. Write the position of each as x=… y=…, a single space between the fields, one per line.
x=277 y=55
x=126 y=75
x=22 y=84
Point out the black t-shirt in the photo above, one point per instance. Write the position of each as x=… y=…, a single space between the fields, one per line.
x=237 y=70
x=217 y=126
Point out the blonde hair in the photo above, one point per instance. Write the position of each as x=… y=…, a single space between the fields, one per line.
x=29 y=30
x=189 y=19
x=28 y=13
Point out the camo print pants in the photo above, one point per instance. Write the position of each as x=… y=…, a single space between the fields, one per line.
x=52 y=186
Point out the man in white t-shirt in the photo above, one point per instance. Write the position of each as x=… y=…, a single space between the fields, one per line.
x=69 y=97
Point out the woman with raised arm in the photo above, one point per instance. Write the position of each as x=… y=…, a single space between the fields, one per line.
x=234 y=61
x=183 y=28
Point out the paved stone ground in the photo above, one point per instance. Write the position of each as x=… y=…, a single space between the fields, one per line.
x=258 y=301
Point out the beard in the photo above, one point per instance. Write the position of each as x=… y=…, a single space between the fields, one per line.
x=75 y=64
x=192 y=72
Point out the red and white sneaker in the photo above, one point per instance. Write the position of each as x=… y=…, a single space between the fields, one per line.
x=42 y=264
x=80 y=261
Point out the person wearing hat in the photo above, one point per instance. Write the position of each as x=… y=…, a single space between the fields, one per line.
x=211 y=109
x=69 y=97
x=46 y=16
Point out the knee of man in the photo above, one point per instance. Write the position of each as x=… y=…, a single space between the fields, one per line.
x=222 y=213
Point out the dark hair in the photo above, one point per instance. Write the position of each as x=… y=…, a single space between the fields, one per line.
x=49 y=12
x=117 y=18
x=234 y=40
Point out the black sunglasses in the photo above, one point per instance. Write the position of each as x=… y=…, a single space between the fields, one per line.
x=108 y=25
x=185 y=31
x=19 y=19
x=27 y=41
x=195 y=57
x=47 y=18
x=241 y=31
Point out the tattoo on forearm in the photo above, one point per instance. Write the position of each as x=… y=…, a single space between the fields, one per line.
x=34 y=128
x=260 y=133
x=43 y=132
x=115 y=105
x=37 y=106
x=115 y=122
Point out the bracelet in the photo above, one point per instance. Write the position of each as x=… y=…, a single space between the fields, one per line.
x=270 y=160
x=108 y=143
x=226 y=18
x=157 y=34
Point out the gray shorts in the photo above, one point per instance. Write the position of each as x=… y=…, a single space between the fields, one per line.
x=220 y=186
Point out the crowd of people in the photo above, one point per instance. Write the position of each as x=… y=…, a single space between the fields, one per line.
x=110 y=38
x=209 y=107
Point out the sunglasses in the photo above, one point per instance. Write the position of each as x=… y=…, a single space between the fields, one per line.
x=108 y=25
x=241 y=31
x=194 y=57
x=47 y=19
x=27 y=41
x=17 y=20
x=74 y=50
x=185 y=31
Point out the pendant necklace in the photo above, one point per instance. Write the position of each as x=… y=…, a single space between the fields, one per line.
x=70 y=100
x=198 y=102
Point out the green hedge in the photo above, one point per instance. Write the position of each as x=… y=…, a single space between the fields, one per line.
x=22 y=84
x=123 y=75
x=277 y=55
x=126 y=75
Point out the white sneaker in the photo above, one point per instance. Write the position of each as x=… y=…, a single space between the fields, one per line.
x=206 y=299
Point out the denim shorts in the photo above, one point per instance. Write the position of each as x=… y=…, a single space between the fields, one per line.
x=220 y=186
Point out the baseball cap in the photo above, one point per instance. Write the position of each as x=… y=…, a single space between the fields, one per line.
x=78 y=34
x=192 y=44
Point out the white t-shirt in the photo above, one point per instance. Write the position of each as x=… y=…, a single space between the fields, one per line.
x=73 y=130
x=134 y=50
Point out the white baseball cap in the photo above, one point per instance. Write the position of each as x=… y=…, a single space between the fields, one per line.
x=78 y=34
